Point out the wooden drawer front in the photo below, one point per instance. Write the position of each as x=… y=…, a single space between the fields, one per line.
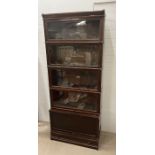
x=75 y=123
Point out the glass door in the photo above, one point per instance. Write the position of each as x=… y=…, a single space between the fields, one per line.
x=75 y=100
x=76 y=79
x=75 y=55
x=73 y=29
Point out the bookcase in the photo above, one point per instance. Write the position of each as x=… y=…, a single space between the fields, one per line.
x=74 y=47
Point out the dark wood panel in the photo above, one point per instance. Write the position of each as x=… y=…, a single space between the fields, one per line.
x=75 y=138
x=72 y=134
x=74 y=123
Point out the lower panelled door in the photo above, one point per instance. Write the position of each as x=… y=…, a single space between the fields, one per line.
x=74 y=123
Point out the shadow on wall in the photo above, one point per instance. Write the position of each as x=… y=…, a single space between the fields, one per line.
x=108 y=98
x=42 y=95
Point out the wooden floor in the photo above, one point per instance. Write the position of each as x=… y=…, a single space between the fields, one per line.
x=50 y=147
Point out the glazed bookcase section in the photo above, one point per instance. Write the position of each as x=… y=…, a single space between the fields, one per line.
x=74 y=29
x=75 y=79
x=74 y=55
x=75 y=100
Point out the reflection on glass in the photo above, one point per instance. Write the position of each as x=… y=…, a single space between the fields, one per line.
x=76 y=79
x=75 y=100
x=84 y=29
x=75 y=55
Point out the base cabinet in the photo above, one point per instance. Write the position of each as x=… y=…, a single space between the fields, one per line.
x=71 y=128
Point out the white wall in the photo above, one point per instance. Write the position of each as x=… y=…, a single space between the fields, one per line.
x=108 y=101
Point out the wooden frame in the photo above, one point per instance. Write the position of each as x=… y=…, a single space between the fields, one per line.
x=86 y=130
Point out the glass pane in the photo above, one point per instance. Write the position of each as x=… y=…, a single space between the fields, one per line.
x=76 y=78
x=77 y=55
x=74 y=29
x=75 y=100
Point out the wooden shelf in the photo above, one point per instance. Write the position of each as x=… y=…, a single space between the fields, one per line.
x=75 y=89
x=73 y=67
x=73 y=42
